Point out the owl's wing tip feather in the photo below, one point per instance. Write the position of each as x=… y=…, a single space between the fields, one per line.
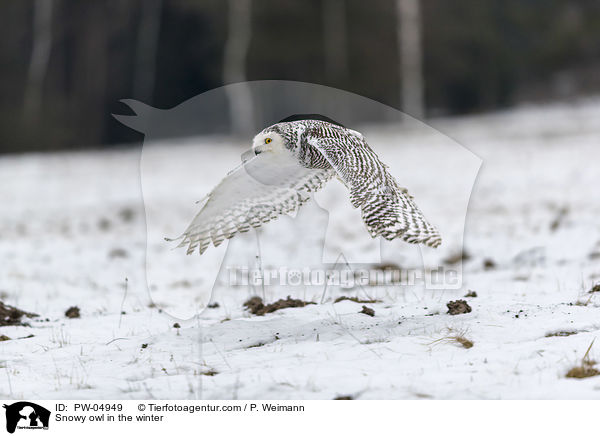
x=434 y=242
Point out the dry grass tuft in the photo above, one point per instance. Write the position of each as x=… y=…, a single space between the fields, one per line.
x=595 y=288
x=582 y=371
x=357 y=300
x=258 y=344
x=457 y=337
x=466 y=343
x=586 y=369
x=562 y=333
x=586 y=302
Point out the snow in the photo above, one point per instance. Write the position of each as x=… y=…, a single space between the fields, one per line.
x=73 y=233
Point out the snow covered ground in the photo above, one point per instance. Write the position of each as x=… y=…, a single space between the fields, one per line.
x=73 y=233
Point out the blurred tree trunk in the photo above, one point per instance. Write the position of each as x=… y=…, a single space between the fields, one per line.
x=88 y=83
x=334 y=35
x=38 y=62
x=409 y=44
x=239 y=33
x=146 y=48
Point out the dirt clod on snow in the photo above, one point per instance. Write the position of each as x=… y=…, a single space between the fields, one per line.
x=458 y=307
x=256 y=306
x=367 y=311
x=10 y=315
x=73 y=312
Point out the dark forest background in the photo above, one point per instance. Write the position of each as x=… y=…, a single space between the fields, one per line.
x=66 y=63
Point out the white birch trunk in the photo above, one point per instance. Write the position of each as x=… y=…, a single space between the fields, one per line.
x=410 y=53
x=239 y=32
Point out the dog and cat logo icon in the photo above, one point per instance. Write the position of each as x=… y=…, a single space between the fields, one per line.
x=26 y=415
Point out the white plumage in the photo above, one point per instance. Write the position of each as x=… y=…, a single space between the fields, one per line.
x=290 y=160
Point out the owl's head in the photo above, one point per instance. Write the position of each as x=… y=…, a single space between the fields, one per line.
x=269 y=140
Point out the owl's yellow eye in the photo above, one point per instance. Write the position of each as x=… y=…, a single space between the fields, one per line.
x=268 y=140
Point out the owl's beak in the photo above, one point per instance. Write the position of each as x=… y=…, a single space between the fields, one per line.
x=253 y=152
x=258 y=149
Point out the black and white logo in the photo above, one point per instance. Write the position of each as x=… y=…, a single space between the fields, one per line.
x=26 y=415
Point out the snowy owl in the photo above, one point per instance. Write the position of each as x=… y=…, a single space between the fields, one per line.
x=293 y=158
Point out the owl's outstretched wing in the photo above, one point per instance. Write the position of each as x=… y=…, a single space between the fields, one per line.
x=387 y=209
x=259 y=190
